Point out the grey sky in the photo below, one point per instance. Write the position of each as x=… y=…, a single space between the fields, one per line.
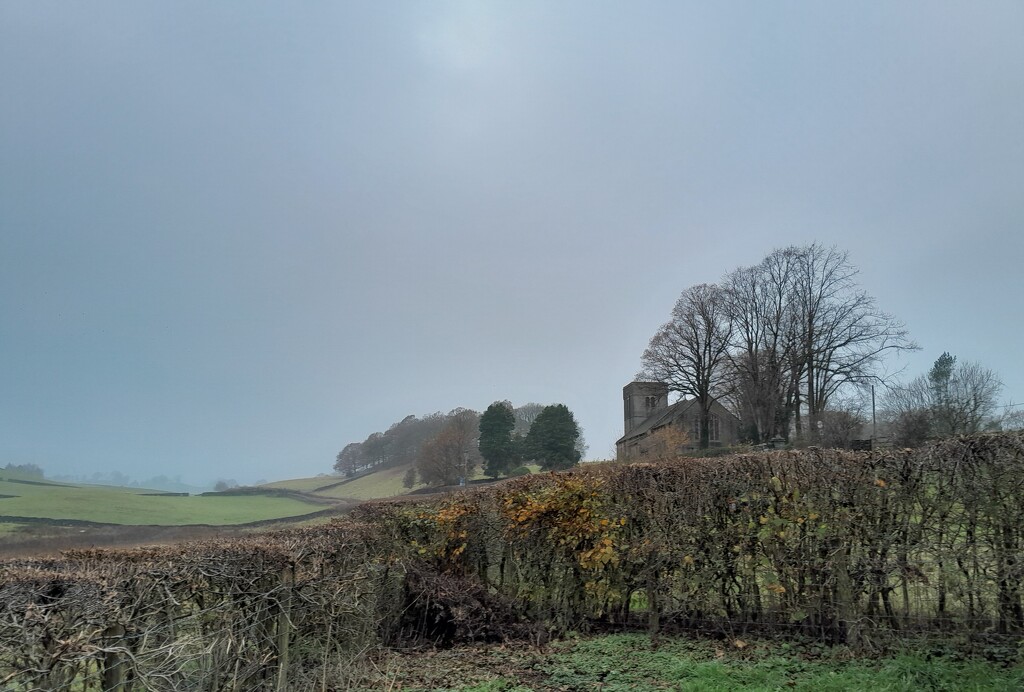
x=236 y=236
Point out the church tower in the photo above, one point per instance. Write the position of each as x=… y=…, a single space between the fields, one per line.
x=640 y=400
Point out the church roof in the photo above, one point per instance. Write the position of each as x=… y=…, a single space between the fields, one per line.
x=658 y=419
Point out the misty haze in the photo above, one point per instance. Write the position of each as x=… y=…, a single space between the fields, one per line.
x=270 y=274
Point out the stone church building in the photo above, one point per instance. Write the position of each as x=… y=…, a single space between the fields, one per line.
x=654 y=427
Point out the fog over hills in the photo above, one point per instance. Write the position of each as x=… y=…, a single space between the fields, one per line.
x=236 y=237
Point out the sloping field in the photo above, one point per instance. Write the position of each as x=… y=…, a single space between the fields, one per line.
x=379 y=484
x=128 y=506
x=373 y=486
x=306 y=485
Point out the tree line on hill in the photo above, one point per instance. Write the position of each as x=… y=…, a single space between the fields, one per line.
x=25 y=470
x=447 y=448
x=793 y=346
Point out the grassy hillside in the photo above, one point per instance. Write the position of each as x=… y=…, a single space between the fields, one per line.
x=22 y=496
x=382 y=483
x=131 y=506
x=373 y=486
x=306 y=485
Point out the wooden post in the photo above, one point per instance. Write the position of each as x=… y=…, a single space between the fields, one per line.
x=848 y=629
x=284 y=629
x=327 y=652
x=113 y=661
x=653 y=605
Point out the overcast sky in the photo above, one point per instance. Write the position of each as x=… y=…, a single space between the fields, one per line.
x=236 y=236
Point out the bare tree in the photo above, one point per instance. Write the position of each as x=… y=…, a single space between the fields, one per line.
x=843 y=421
x=524 y=417
x=963 y=396
x=775 y=340
x=952 y=399
x=1012 y=418
x=350 y=459
x=759 y=305
x=842 y=333
x=689 y=353
x=398 y=446
x=908 y=412
x=452 y=454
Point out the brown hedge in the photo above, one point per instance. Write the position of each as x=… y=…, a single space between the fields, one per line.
x=837 y=545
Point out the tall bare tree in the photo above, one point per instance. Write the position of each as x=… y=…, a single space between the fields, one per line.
x=842 y=333
x=690 y=352
x=779 y=340
x=759 y=304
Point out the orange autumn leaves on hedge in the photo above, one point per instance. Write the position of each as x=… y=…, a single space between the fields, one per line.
x=570 y=512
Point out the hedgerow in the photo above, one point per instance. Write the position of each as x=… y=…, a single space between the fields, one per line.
x=838 y=545
x=842 y=547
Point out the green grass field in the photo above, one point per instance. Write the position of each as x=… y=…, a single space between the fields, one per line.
x=34 y=498
x=129 y=506
x=383 y=483
x=632 y=662
x=305 y=485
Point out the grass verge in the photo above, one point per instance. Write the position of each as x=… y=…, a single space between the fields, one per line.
x=620 y=662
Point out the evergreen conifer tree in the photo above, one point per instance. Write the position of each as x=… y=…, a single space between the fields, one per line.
x=496 y=444
x=553 y=437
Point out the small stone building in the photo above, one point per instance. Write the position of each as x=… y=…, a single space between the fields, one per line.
x=653 y=427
